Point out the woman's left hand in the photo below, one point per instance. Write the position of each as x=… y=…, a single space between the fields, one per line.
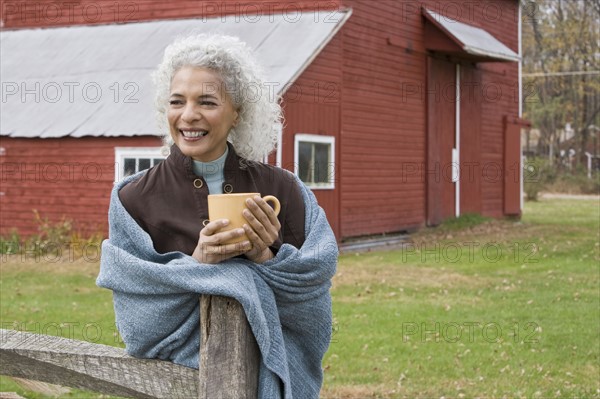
x=262 y=229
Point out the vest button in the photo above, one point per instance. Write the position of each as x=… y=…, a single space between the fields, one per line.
x=227 y=188
x=198 y=183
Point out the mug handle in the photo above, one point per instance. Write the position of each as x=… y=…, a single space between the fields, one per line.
x=276 y=204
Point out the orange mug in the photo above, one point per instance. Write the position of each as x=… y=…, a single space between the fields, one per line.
x=231 y=206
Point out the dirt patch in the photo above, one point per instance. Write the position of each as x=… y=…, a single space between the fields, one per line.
x=57 y=264
x=404 y=276
x=494 y=230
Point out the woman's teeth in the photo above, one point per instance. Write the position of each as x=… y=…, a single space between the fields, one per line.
x=194 y=134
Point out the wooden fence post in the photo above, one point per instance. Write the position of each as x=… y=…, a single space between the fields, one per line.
x=229 y=354
x=229 y=358
x=94 y=367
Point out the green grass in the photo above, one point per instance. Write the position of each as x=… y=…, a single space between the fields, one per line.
x=55 y=298
x=484 y=308
x=465 y=221
x=496 y=309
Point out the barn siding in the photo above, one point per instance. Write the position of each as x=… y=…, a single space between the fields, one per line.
x=374 y=103
x=312 y=106
x=470 y=140
x=384 y=110
x=46 y=13
x=382 y=127
x=69 y=177
x=441 y=122
x=495 y=81
x=498 y=89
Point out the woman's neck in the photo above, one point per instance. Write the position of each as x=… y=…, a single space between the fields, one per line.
x=212 y=172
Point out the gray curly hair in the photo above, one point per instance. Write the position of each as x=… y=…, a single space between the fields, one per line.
x=255 y=135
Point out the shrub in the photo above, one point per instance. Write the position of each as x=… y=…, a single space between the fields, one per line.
x=575 y=182
x=537 y=172
x=53 y=240
x=11 y=244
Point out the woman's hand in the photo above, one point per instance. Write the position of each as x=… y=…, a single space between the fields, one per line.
x=211 y=248
x=262 y=229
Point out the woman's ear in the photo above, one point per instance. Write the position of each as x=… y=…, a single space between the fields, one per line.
x=236 y=120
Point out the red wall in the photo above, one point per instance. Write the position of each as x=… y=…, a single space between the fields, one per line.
x=367 y=88
x=384 y=109
x=381 y=129
x=312 y=106
x=46 y=13
x=58 y=177
x=498 y=91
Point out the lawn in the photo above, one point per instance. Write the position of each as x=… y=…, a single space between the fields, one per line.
x=491 y=309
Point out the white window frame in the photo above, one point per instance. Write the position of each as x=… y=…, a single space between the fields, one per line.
x=315 y=138
x=133 y=152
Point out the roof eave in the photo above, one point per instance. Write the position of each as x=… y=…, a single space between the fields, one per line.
x=347 y=13
x=493 y=56
x=480 y=54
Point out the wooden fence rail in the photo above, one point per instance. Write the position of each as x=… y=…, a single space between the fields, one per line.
x=229 y=357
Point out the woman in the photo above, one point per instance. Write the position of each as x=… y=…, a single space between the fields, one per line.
x=204 y=94
x=162 y=252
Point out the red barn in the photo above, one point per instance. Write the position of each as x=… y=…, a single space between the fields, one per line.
x=399 y=114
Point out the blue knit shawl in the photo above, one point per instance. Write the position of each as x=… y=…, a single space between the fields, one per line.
x=286 y=300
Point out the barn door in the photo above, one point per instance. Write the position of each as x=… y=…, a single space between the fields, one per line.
x=453 y=140
x=441 y=140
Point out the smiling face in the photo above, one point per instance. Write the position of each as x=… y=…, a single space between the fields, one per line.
x=200 y=113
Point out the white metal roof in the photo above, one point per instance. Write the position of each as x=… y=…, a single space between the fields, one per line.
x=95 y=80
x=473 y=40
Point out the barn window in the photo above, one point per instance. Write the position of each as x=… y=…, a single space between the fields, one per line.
x=130 y=160
x=314 y=160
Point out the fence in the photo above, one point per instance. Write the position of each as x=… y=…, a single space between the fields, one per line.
x=229 y=357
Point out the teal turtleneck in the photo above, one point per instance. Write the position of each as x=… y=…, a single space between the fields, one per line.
x=212 y=172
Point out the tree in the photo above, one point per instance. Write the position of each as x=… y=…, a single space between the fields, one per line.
x=561 y=68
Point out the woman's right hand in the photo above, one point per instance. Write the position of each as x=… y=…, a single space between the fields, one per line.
x=210 y=248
